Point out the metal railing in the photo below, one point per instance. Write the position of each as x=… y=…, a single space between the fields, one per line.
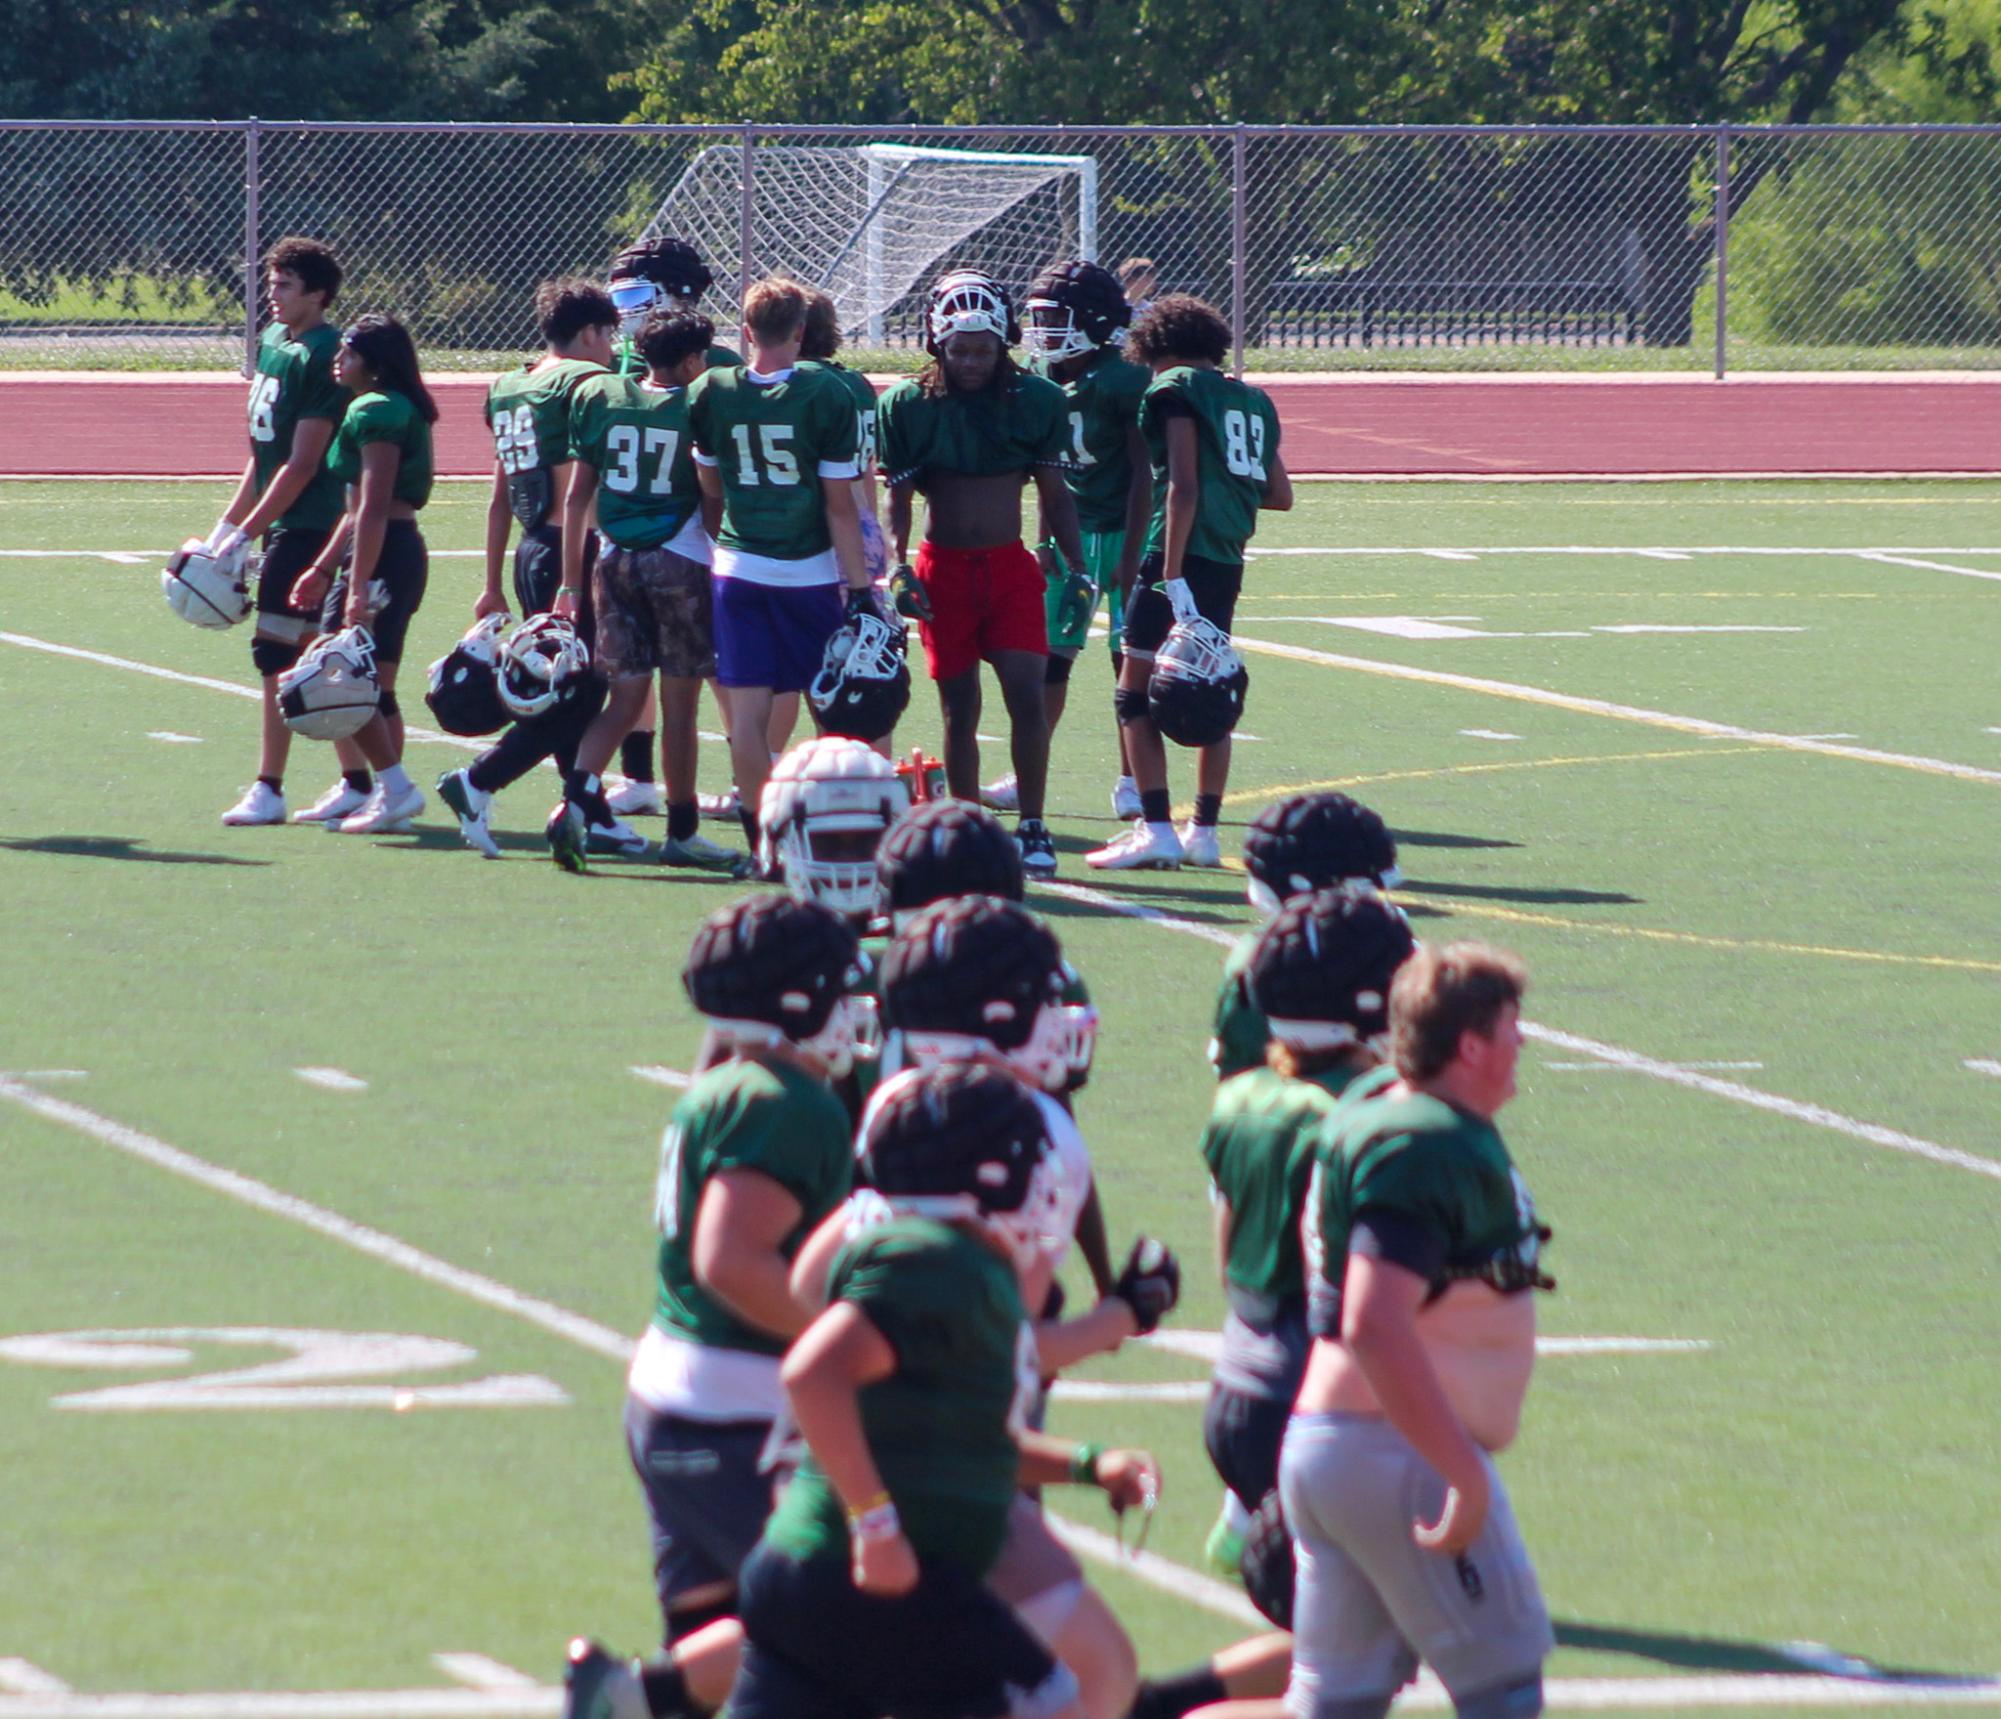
x=128 y=243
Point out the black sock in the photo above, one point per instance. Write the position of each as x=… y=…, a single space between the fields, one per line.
x=1171 y=1697
x=359 y=780
x=665 y=1688
x=275 y=783
x=1155 y=806
x=587 y=791
x=683 y=820
x=746 y=817
x=635 y=755
x=1208 y=808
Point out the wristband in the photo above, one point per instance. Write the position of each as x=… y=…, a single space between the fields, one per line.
x=1084 y=1464
x=879 y=1523
x=857 y=1511
x=569 y=590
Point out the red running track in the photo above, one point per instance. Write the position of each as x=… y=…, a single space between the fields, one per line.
x=109 y=424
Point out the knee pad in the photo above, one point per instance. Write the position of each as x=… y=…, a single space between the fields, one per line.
x=274 y=656
x=1269 y=1565
x=1518 y=1699
x=1129 y=704
x=683 y=1623
x=1056 y=670
x=389 y=707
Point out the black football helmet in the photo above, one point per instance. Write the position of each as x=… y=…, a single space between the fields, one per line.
x=1195 y=696
x=965 y=1140
x=773 y=966
x=655 y=270
x=976 y=968
x=1073 y=309
x=1313 y=841
x=863 y=687
x=942 y=848
x=1320 y=972
x=464 y=690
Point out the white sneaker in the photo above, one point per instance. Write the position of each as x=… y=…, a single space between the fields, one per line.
x=617 y=837
x=337 y=802
x=1125 y=799
x=261 y=804
x=1002 y=796
x=1198 y=845
x=470 y=805
x=723 y=805
x=385 y=812
x=1144 y=847
x=632 y=799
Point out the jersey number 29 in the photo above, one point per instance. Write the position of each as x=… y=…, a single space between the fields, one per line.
x=514 y=439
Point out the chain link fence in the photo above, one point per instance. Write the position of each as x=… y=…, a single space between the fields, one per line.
x=1431 y=248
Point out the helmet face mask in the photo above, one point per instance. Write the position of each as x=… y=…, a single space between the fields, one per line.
x=1073 y=310
x=966 y=301
x=657 y=270
x=824 y=813
x=1195 y=695
x=633 y=300
x=863 y=686
x=1051 y=333
x=540 y=660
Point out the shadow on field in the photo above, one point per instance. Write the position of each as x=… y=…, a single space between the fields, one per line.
x=1446 y=839
x=1541 y=897
x=116 y=848
x=1719 y=1653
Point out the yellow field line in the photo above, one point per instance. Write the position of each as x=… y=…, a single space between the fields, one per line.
x=1652 y=934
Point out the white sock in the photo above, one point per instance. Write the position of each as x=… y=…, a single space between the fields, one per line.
x=393 y=779
x=1125 y=782
x=1235 y=1516
x=1163 y=832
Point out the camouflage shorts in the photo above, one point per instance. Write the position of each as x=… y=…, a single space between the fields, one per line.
x=653 y=609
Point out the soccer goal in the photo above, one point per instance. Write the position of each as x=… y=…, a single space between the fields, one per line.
x=872 y=224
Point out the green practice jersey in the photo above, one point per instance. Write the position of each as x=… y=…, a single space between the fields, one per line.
x=1019 y=423
x=772 y=443
x=1236 y=435
x=1238 y=1039
x=1103 y=408
x=528 y=411
x=625 y=359
x=863 y=391
x=295 y=380
x=742 y=1115
x=635 y=436
x=1433 y=1187
x=385 y=416
x=941 y=1429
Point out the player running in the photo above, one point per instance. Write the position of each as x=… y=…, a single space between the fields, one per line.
x=382 y=453
x=1214 y=447
x=1073 y=328
x=969 y=432
x=632 y=459
x=776 y=456
x=1422 y=1247
x=287 y=496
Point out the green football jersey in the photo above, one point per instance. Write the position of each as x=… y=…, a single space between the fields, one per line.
x=385 y=416
x=743 y=1115
x=1103 y=408
x=528 y=411
x=1019 y=423
x=625 y=359
x=295 y=380
x=1441 y=1182
x=1241 y=1032
x=941 y=1429
x=635 y=436
x=771 y=443
x=1236 y=433
x=863 y=391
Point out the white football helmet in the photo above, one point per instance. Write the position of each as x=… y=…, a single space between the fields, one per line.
x=541 y=658
x=331 y=691
x=967 y=301
x=206 y=588
x=823 y=815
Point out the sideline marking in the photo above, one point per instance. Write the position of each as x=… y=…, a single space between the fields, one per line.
x=24 y=1677
x=1815 y=1115
x=1619 y=712
x=333 y=1079
x=1984 y=1065
x=477 y=1671
x=559 y=1321
x=663 y=1076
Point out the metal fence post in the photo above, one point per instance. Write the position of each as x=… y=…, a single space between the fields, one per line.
x=1722 y=245
x=745 y=213
x=252 y=248
x=1239 y=228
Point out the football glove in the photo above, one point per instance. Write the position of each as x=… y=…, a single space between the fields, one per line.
x=1076 y=603
x=1150 y=1284
x=907 y=594
x=1182 y=600
x=862 y=600
x=225 y=538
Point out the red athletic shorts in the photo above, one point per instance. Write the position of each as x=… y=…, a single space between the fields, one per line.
x=983 y=601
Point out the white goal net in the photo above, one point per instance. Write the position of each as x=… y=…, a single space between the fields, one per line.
x=872 y=224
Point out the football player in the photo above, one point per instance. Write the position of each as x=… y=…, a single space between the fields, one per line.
x=1214 y=446
x=822 y=340
x=633 y=461
x=661 y=273
x=1422 y=1249
x=382 y=453
x=1073 y=327
x=287 y=496
x=528 y=412
x=757 y=1154
x=969 y=432
x=776 y=456
x=1321 y=971
x=1319 y=839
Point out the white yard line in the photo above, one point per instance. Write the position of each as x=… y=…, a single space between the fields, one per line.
x=1686 y=550
x=537 y=1703
x=476 y=1671
x=1889 y=560
x=1223 y=1598
x=1984 y=1065
x=332 y=1079
x=662 y=1076
x=1207 y=1346
x=23 y=1677
x=173 y=739
x=1620 y=1068
x=1488 y=734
